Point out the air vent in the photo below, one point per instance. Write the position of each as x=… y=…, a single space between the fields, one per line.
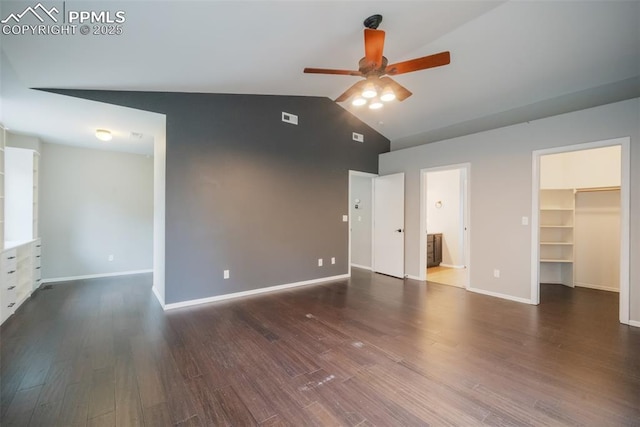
x=289 y=118
x=358 y=137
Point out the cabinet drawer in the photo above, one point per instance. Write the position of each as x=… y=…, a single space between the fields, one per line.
x=9 y=293
x=9 y=260
x=10 y=278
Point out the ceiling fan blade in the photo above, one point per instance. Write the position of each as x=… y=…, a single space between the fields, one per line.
x=373 y=47
x=329 y=71
x=431 y=61
x=351 y=91
x=401 y=92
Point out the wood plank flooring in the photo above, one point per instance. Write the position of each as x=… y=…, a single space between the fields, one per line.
x=448 y=276
x=372 y=350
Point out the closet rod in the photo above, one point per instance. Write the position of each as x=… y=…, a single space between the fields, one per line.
x=584 y=190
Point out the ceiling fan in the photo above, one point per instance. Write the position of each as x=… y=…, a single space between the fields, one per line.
x=377 y=88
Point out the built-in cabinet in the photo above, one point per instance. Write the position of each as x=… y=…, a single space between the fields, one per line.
x=20 y=247
x=2 y=145
x=557 y=219
x=19 y=274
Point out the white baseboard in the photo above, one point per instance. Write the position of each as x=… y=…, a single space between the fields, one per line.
x=410 y=276
x=95 y=276
x=158 y=297
x=450 y=266
x=364 y=267
x=599 y=287
x=634 y=323
x=252 y=292
x=499 y=295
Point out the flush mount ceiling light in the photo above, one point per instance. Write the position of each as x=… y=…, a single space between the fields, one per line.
x=103 y=134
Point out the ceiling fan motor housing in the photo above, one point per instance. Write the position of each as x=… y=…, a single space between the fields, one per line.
x=373 y=21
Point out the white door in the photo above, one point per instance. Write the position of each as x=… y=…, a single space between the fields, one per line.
x=388 y=228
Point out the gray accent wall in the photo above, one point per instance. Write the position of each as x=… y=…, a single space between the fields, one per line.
x=248 y=193
x=94 y=204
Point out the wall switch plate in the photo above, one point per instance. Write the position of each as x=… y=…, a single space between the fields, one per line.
x=225 y=274
x=345 y=218
x=333 y=260
x=358 y=137
x=319 y=262
x=289 y=118
x=496 y=273
x=525 y=220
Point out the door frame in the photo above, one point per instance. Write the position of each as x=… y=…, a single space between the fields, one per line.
x=353 y=173
x=466 y=199
x=625 y=183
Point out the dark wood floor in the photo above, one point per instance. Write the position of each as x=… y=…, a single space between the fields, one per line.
x=370 y=351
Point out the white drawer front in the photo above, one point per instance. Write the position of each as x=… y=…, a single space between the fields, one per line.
x=9 y=260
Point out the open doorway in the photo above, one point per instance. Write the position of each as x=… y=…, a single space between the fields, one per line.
x=580 y=219
x=444 y=219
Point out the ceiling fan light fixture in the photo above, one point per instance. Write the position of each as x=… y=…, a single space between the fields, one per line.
x=387 y=95
x=376 y=104
x=103 y=135
x=359 y=101
x=369 y=91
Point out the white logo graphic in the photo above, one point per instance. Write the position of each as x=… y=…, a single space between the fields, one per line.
x=34 y=12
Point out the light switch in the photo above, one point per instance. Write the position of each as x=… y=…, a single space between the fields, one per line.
x=345 y=218
x=525 y=220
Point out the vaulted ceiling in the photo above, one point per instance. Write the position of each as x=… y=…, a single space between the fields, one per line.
x=510 y=62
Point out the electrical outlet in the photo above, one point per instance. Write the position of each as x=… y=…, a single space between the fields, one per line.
x=525 y=220
x=496 y=273
x=333 y=260
x=319 y=262
x=345 y=218
x=110 y=257
x=225 y=274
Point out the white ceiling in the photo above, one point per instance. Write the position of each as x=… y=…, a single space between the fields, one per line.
x=509 y=60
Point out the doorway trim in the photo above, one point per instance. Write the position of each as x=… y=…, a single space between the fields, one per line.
x=353 y=173
x=625 y=181
x=466 y=190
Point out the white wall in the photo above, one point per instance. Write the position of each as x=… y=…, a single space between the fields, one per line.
x=597 y=240
x=598 y=167
x=95 y=204
x=159 y=208
x=500 y=185
x=361 y=188
x=445 y=186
